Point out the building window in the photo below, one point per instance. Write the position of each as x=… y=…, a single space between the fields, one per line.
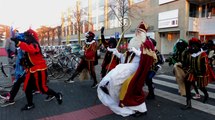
x=211 y=10
x=101 y=3
x=169 y=37
x=194 y=10
x=203 y=10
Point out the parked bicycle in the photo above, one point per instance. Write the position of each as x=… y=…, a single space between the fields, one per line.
x=63 y=65
x=6 y=76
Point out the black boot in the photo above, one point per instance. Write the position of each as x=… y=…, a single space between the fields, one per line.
x=188 y=106
x=104 y=89
x=70 y=80
x=205 y=98
x=150 y=96
x=95 y=82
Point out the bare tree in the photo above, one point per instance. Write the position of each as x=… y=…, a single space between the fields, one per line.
x=79 y=18
x=48 y=33
x=122 y=9
x=59 y=34
x=77 y=15
x=41 y=36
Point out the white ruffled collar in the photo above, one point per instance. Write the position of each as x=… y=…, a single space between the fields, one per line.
x=111 y=49
x=197 y=54
x=88 y=43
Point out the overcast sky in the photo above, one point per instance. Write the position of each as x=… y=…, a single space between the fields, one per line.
x=22 y=14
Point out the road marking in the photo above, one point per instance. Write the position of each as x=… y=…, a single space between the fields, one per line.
x=181 y=100
x=211 y=86
x=175 y=86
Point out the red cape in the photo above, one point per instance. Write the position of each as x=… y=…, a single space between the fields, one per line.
x=134 y=94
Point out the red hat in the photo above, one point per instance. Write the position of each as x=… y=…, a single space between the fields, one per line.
x=194 y=41
x=142 y=27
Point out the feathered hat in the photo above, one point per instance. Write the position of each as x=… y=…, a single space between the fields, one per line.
x=194 y=41
x=32 y=33
x=89 y=34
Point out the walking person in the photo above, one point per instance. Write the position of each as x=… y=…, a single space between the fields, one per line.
x=155 y=67
x=198 y=71
x=35 y=67
x=89 y=59
x=181 y=67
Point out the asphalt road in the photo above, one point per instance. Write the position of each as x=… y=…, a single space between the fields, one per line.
x=79 y=100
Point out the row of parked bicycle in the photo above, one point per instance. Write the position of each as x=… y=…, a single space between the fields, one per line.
x=62 y=64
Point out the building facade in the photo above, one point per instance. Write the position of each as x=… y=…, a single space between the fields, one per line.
x=168 y=20
x=4 y=34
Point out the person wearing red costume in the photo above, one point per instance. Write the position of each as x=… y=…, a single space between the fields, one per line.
x=88 y=60
x=110 y=60
x=199 y=71
x=35 y=67
x=107 y=64
x=126 y=96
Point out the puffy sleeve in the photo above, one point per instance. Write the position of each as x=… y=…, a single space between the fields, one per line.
x=30 y=48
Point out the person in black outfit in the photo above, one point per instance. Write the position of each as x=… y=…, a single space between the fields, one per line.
x=152 y=72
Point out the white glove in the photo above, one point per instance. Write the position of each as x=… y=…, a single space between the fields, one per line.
x=116 y=52
x=211 y=54
x=159 y=67
x=137 y=52
x=111 y=49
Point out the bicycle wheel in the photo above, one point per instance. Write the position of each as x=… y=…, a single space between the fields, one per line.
x=55 y=70
x=68 y=70
x=75 y=62
x=7 y=76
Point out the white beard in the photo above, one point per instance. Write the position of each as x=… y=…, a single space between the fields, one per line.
x=137 y=40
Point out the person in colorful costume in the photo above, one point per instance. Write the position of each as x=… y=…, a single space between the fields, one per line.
x=126 y=96
x=180 y=59
x=110 y=60
x=107 y=64
x=88 y=60
x=180 y=66
x=210 y=51
x=198 y=71
x=35 y=67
